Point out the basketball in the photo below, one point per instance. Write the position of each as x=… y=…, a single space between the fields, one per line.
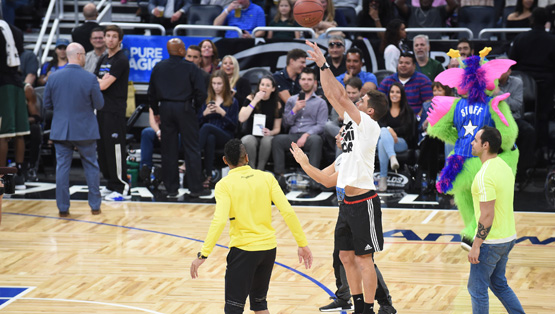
x=308 y=13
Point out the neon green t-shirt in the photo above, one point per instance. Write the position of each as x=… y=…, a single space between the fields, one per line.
x=495 y=181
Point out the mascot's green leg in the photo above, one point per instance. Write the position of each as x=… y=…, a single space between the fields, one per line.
x=463 y=199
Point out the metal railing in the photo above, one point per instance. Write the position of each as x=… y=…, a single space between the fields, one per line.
x=501 y=30
x=106 y=13
x=208 y=27
x=408 y=30
x=137 y=25
x=285 y=29
x=47 y=16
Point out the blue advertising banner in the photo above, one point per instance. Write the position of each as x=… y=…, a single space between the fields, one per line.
x=145 y=51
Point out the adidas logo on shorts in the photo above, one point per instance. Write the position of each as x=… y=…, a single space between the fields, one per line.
x=368 y=247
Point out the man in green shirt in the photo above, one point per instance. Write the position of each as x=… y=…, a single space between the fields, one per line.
x=425 y=65
x=493 y=196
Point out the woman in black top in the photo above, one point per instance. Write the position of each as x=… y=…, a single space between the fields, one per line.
x=375 y=13
x=520 y=18
x=398 y=130
x=257 y=138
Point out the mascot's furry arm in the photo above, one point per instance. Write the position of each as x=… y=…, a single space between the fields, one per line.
x=508 y=132
x=440 y=117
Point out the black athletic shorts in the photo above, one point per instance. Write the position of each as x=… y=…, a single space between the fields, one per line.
x=359 y=224
x=248 y=274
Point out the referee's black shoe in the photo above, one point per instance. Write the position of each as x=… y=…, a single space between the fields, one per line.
x=338 y=305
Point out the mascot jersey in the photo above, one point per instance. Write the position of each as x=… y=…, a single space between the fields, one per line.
x=468 y=120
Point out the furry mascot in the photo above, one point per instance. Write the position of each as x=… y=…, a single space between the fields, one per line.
x=456 y=120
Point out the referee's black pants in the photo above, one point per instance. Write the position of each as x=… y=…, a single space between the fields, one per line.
x=112 y=153
x=180 y=118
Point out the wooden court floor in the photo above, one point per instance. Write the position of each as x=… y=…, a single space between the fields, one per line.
x=135 y=257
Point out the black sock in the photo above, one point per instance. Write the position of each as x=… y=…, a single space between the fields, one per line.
x=368 y=308
x=358 y=300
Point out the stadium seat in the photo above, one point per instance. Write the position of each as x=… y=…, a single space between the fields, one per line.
x=199 y=14
x=381 y=74
x=254 y=75
x=477 y=18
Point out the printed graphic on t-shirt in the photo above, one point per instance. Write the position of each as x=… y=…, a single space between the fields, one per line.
x=104 y=69
x=347 y=138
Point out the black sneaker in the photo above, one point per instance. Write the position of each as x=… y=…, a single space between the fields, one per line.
x=387 y=309
x=338 y=305
x=466 y=243
x=19 y=181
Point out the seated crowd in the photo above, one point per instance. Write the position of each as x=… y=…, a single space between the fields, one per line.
x=288 y=106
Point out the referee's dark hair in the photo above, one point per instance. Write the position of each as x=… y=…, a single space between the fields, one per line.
x=235 y=152
x=493 y=137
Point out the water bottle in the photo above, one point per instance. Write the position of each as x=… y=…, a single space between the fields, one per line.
x=424 y=182
x=293 y=182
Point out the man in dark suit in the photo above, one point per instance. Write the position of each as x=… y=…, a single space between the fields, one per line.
x=162 y=12
x=174 y=104
x=82 y=34
x=74 y=94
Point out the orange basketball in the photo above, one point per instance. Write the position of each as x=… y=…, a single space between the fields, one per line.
x=308 y=13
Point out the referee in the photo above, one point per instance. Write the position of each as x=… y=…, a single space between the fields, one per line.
x=245 y=197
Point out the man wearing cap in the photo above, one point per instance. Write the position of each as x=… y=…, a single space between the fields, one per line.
x=58 y=62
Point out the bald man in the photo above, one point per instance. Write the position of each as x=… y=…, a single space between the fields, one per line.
x=82 y=34
x=175 y=104
x=74 y=94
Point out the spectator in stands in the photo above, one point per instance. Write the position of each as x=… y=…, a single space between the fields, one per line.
x=58 y=62
x=336 y=55
x=346 y=3
x=29 y=66
x=431 y=148
x=392 y=44
x=425 y=65
x=99 y=49
x=354 y=69
x=284 y=18
x=375 y=13
x=150 y=137
x=13 y=110
x=288 y=79
x=222 y=3
x=540 y=64
x=526 y=139
x=209 y=56
x=520 y=18
x=240 y=86
x=352 y=87
x=219 y=119
x=418 y=86
x=332 y=18
x=193 y=55
x=243 y=14
x=306 y=120
x=398 y=130
x=465 y=48
x=168 y=13
x=82 y=34
x=436 y=3
x=480 y=3
x=264 y=101
x=426 y=15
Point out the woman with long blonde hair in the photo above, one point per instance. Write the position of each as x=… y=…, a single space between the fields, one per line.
x=240 y=86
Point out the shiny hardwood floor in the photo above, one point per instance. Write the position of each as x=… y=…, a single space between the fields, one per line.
x=135 y=257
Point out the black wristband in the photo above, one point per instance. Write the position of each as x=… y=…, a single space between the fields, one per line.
x=324 y=66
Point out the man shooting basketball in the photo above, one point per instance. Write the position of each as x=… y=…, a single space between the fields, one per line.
x=358 y=232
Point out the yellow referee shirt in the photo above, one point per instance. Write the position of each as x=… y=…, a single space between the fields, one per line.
x=245 y=197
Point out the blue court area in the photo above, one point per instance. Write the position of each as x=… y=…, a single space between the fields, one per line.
x=9 y=294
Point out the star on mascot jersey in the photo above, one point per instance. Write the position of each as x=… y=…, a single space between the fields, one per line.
x=469 y=129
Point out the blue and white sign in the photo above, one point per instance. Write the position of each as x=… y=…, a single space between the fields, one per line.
x=145 y=51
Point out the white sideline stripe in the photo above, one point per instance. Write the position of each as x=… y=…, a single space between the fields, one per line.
x=430 y=216
x=17 y=296
x=95 y=302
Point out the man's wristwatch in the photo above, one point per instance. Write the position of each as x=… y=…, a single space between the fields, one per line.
x=200 y=256
x=325 y=66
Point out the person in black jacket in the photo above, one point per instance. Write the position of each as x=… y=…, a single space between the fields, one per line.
x=174 y=103
x=82 y=34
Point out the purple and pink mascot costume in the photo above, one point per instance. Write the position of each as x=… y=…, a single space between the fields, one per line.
x=456 y=120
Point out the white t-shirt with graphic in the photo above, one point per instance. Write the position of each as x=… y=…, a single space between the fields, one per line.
x=358 y=144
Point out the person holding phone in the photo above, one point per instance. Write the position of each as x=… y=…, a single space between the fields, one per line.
x=263 y=102
x=218 y=118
